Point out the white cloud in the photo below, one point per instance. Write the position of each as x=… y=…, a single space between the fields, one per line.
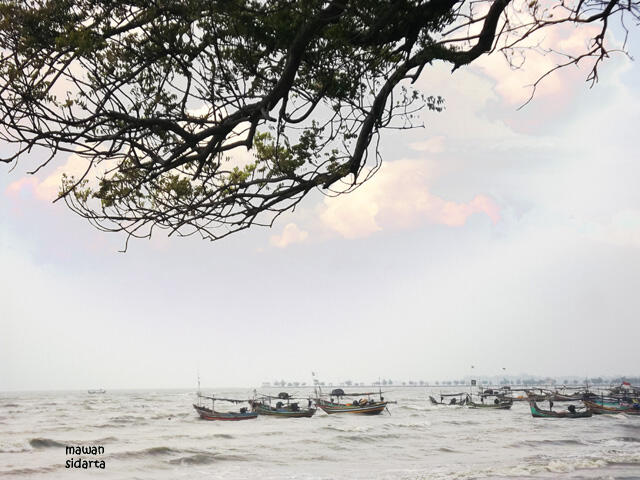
x=290 y=234
x=47 y=187
x=514 y=85
x=432 y=145
x=398 y=197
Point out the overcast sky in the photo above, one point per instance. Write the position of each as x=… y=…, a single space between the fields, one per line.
x=492 y=237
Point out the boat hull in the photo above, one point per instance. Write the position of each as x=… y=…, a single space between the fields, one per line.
x=493 y=406
x=560 y=397
x=539 y=413
x=457 y=403
x=208 y=414
x=610 y=409
x=283 y=412
x=333 y=408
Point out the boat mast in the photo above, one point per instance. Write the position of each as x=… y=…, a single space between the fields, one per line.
x=199 y=397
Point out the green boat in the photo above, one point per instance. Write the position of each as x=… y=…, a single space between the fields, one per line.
x=571 y=412
x=283 y=408
x=600 y=407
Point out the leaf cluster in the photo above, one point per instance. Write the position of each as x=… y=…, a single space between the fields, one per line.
x=209 y=117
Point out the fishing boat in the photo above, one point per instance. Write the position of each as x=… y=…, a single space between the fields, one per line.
x=564 y=397
x=365 y=405
x=570 y=394
x=538 y=397
x=284 y=407
x=570 y=412
x=96 y=391
x=211 y=414
x=500 y=402
x=455 y=399
x=611 y=406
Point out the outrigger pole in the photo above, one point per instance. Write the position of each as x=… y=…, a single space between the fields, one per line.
x=380 y=394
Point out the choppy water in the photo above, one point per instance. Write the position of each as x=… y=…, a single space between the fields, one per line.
x=157 y=435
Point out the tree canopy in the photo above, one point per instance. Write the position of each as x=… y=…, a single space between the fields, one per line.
x=164 y=98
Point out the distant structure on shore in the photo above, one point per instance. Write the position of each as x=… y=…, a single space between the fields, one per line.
x=515 y=380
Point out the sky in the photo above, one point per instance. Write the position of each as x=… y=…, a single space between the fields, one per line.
x=494 y=236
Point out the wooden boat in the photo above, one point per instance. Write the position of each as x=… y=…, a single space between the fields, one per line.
x=366 y=405
x=211 y=414
x=570 y=394
x=539 y=396
x=563 y=397
x=283 y=408
x=625 y=389
x=600 y=407
x=369 y=408
x=457 y=400
x=569 y=413
x=498 y=403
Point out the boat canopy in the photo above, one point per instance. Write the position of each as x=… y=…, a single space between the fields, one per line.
x=338 y=392
x=280 y=396
x=219 y=399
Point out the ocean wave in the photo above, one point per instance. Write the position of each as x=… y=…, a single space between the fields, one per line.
x=45 y=443
x=348 y=428
x=110 y=425
x=635 y=427
x=357 y=438
x=159 y=451
x=460 y=422
x=568 y=465
x=414 y=426
x=538 y=443
x=555 y=467
x=419 y=408
x=152 y=451
x=318 y=458
x=368 y=438
x=447 y=450
x=29 y=471
x=624 y=459
x=206 y=458
x=13 y=448
x=129 y=419
x=171 y=415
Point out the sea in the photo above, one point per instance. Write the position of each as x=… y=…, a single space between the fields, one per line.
x=156 y=434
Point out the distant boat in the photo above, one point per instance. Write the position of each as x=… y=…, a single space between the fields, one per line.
x=457 y=400
x=606 y=406
x=211 y=414
x=366 y=405
x=498 y=403
x=569 y=413
x=284 y=407
x=99 y=390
